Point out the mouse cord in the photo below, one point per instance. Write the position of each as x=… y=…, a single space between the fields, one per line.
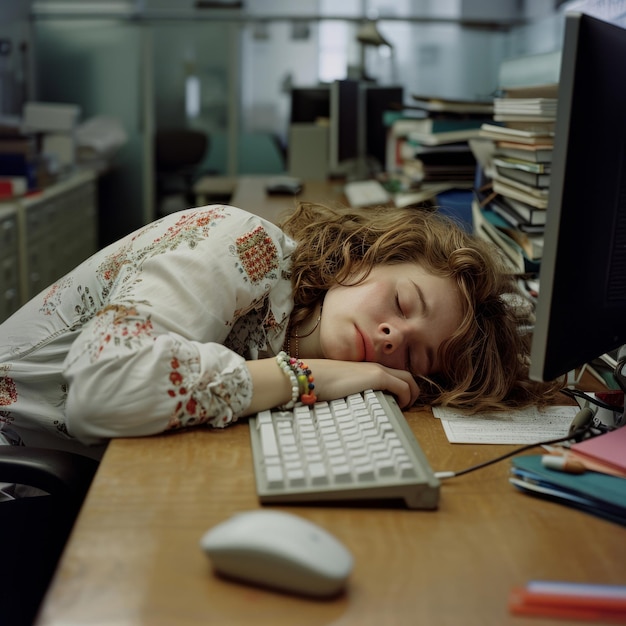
x=577 y=433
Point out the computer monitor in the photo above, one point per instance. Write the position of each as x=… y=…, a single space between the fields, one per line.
x=345 y=112
x=581 y=310
x=309 y=104
x=377 y=100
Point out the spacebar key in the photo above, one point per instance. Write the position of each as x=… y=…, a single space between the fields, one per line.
x=269 y=444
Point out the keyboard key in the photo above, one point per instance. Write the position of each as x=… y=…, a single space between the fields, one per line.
x=318 y=474
x=268 y=440
x=296 y=478
x=385 y=467
x=342 y=473
x=364 y=472
x=275 y=476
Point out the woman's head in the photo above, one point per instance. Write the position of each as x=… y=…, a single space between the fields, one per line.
x=398 y=315
x=482 y=363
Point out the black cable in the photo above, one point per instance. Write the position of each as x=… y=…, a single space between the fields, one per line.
x=577 y=434
x=618 y=375
x=576 y=393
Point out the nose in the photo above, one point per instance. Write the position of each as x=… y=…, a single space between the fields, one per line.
x=391 y=339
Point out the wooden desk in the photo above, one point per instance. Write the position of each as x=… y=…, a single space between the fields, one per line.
x=134 y=557
x=248 y=192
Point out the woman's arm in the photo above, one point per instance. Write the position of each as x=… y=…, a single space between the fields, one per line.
x=333 y=379
x=159 y=351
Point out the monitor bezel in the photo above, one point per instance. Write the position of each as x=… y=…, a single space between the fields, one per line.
x=574 y=322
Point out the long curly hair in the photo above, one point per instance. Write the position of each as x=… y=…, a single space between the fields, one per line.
x=485 y=362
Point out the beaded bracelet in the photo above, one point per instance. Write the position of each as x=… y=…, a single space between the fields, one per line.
x=301 y=378
x=306 y=383
x=283 y=362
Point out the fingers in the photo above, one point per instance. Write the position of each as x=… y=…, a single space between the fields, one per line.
x=333 y=379
x=336 y=379
x=399 y=383
x=403 y=386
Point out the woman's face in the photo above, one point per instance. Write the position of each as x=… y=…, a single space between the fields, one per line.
x=398 y=316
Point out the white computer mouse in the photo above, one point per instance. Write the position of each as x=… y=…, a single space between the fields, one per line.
x=279 y=550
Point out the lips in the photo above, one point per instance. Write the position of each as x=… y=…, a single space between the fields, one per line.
x=367 y=348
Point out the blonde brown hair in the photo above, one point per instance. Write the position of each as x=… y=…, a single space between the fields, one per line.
x=485 y=362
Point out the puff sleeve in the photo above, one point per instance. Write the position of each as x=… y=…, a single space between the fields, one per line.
x=176 y=310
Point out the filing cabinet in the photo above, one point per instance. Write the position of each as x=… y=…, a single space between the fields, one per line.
x=44 y=236
x=9 y=265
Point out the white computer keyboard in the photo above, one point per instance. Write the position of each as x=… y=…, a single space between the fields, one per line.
x=364 y=193
x=358 y=448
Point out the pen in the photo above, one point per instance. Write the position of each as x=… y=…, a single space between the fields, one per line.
x=562 y=463
x=571 y=600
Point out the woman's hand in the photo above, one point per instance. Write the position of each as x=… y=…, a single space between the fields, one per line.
x=333 y=379
x=336 y=379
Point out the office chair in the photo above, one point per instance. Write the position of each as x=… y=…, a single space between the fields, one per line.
x=178 y=154
x=34 y=530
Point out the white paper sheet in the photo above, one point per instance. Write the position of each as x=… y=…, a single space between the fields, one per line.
x=520 y=426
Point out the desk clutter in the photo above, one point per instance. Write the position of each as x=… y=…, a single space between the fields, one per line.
x=595 y=492
x=589 y=475
x=49 y=141
x=366 y=193
x=565 y=600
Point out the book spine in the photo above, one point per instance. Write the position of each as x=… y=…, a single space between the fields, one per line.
x=12 y=186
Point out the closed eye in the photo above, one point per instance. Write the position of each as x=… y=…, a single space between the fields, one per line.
x=407 y=358
x=398 y=305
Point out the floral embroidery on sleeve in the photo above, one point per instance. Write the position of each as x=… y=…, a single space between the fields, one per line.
x=52 y=298
x=8 y=391
x=209 y=398
x=190 y=228
x=110 y=268
x=257 y=254
x=119 y=325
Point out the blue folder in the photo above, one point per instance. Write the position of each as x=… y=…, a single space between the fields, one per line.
x=593 y=492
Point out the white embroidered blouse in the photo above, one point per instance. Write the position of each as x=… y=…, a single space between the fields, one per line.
x=150 y=334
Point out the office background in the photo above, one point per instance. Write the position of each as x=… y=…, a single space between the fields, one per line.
x=139 y=60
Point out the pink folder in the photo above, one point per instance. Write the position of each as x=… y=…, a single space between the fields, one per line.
x=609 y=448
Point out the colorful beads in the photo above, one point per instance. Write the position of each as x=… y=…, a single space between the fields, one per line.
x=283 y=362
x=301 y=379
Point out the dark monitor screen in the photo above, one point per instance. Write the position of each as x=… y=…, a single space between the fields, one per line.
x=309 y=104
x=379 y=99
x=581 y=310
x=345 y=111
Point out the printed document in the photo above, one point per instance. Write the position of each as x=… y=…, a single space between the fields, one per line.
x=519 y=426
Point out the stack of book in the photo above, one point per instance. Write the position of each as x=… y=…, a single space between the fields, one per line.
x=523 y=250
x=528 y=112
x=515 y=197
x=431 y=146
